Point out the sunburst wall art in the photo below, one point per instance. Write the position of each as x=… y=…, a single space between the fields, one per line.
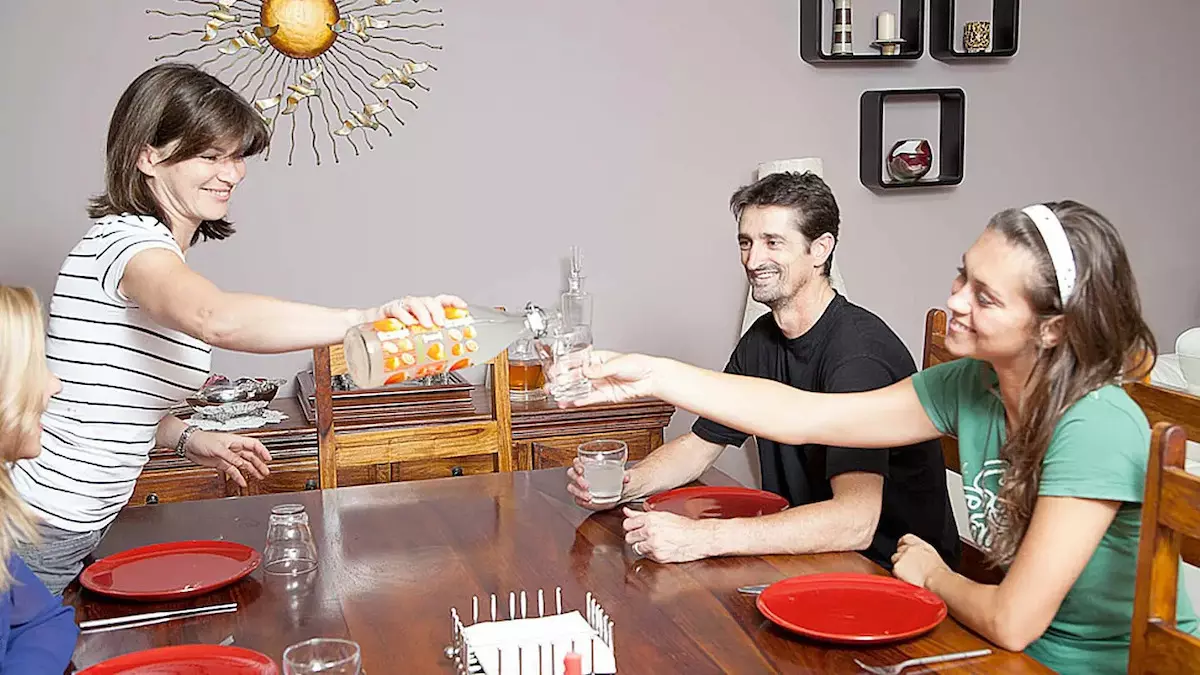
x=347 y=56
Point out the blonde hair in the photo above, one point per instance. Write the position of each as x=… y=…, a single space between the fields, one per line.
x=23 y=376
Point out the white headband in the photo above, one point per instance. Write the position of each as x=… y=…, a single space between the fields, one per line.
x=1056 y=242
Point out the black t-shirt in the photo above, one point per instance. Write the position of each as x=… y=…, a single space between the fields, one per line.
x=849 y=349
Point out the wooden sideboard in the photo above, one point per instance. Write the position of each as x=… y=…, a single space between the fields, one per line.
x=544 y=436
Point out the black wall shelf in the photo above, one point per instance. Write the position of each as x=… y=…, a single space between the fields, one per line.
x=952 y=119
x=814 y=14
x=942 y=26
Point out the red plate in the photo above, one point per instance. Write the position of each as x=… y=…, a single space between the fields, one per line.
x=170 y=571
x=717 y=502
x=852 y=608
x=187 y=660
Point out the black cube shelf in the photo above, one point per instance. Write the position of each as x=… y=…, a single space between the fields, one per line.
x=952 y=119
x=910 y=24
x=1005 y=27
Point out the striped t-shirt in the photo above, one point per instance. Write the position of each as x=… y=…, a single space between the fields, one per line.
x=120 y=373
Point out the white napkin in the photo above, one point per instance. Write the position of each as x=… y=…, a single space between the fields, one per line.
x=495 y=645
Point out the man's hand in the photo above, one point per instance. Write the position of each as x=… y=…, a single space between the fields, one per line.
x=230 y=454
x=667 y=537
x=578 y=487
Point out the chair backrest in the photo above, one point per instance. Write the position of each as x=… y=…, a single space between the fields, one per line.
x=1182 y=410
x=1170 y=513
x=934 y=353
x=431 y=441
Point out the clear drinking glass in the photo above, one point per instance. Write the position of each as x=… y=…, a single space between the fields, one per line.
x=564 y=351
x=604 y=468
x=290 y=548
x=323 y=656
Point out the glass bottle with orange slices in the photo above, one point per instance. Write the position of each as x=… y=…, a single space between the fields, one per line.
x=388 y=352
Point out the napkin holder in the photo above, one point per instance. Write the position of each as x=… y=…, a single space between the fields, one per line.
x=531 y=644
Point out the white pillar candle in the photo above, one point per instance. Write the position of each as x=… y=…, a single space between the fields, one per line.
x=885 y=26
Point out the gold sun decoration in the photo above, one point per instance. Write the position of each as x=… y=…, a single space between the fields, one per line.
x=313 y=50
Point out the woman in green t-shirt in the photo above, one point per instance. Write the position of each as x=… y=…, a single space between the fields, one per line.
x=1045 y=319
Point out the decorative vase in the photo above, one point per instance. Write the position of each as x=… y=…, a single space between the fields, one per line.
x=909 y=160
x=977 y=37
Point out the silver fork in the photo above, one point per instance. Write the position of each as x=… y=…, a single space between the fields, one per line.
x=899 y=667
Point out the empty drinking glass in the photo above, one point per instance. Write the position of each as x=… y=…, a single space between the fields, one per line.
x=290 y=548
x=604 y=469
x=564 y=351
x=326 y=656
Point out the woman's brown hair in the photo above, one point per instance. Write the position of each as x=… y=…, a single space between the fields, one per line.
x=169 y=103
x=1104 y=340
x=23 y=377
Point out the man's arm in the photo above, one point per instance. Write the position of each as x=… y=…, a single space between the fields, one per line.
x=845 y=523
x=675 y=463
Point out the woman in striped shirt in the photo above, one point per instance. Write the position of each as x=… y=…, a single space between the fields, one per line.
x=132 y=326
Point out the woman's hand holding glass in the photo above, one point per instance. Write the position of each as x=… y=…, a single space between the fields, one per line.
x=617 y=377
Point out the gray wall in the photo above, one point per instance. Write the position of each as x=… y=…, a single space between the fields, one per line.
x=623 y=127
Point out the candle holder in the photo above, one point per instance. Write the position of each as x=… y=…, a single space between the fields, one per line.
x=887 y=37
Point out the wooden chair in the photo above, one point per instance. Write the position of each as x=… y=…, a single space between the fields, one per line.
x=1170 y=518
x=383 y=447
x=974 y=564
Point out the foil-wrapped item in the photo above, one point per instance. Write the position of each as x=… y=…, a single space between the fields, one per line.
x=220 y=390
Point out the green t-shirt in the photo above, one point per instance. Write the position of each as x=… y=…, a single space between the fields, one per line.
x=1099 y=450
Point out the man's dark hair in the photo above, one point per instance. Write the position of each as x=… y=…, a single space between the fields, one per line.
x=814 y=209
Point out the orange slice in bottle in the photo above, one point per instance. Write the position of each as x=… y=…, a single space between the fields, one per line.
x=408 y=359
x=469 y=332
x=437 y=351
x=405 y=344
x=397 y=378
x=455 y=334
x=387 y=325
x=457 y=313
x=391 y=363
x=457 y=350
x=390 y=347
x=471 y=345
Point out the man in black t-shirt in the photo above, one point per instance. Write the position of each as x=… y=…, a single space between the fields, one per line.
x=814 y=339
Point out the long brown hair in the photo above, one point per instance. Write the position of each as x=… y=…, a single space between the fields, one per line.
x=23 y=376
x=168 y=103
x=1103 y=340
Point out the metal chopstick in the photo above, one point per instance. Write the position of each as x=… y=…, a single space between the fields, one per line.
x=100 y=625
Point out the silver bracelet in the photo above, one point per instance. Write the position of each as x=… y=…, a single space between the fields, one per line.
x=183 y=439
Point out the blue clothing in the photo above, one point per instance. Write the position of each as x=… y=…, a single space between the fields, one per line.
x=37 y=632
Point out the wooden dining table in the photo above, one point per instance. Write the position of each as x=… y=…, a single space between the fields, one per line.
x=395 y=558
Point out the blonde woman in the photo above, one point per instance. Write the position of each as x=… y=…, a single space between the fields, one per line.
x=37 y=633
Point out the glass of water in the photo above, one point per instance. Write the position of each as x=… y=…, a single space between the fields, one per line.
x=564 y=351
x=326 y=656
x=604 y=469
x=290 y=548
